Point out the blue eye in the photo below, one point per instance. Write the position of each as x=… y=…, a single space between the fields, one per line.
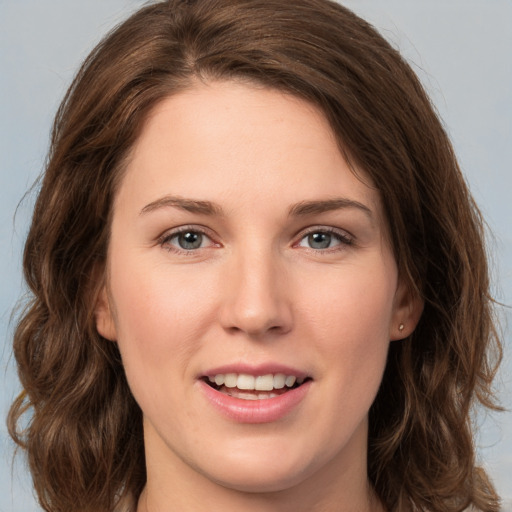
x=319 y=240
x=324 y=239
x=186 y=240
x=189 y=240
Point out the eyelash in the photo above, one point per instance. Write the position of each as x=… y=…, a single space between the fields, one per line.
x=165 y=239
x=344 y=238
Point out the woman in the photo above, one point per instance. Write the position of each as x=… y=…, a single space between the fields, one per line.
x=259 y=279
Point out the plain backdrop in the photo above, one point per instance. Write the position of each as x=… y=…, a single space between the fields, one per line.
x=462 y=51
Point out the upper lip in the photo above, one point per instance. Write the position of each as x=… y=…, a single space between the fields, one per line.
x=255 y=370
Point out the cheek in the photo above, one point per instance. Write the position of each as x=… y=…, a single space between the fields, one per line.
x=157 y=317
x=350 y=323
x=357 y=300
x=157 y=312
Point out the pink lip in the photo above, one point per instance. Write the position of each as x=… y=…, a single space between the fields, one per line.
x=255 y=411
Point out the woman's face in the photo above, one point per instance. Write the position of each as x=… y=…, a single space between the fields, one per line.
x=244 y=251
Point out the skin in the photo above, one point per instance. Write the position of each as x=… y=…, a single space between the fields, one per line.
x=257 y=290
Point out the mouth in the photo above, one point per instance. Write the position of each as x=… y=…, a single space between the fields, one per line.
x=254 y=387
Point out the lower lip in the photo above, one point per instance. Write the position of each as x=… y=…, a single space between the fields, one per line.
x=255 y=411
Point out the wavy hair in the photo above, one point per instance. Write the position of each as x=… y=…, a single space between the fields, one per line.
x=83 y=436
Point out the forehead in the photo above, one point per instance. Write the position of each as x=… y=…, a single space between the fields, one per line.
x=226 y=139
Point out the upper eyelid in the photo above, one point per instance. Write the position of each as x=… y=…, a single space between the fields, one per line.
x=183 y=229
x=326 y=229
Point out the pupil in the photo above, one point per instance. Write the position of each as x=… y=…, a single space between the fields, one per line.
x=319 y=240
x=190 y=240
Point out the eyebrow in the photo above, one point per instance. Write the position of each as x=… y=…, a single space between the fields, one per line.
x=190 y=205
x=300 y=209
x=315 y=207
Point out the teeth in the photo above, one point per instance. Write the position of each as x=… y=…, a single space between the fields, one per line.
x=247 y=382
x=244 y=395
x=264 y=383
x=279 y=381
x=230 y=380
x=290 y=381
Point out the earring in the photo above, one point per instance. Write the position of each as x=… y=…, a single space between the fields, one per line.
x=401 y=328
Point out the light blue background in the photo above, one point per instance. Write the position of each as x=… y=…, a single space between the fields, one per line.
x=461 y=50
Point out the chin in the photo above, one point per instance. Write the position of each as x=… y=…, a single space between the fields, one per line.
x=261 y=474
x=259 y=482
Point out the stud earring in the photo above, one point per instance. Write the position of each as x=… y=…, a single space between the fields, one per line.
x=401 y=328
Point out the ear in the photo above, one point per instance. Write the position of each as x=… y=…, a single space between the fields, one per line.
x=407 y=310
x=105 y=324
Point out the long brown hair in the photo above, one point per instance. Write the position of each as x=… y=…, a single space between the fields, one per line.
x=84 y=435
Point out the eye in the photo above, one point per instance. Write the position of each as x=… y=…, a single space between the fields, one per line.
x=189 y=240
x=186 y=239
x=322 y=239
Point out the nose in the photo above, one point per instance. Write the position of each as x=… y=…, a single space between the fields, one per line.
x=256 y=297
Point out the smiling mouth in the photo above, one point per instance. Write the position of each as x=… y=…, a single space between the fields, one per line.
x=249 y=387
